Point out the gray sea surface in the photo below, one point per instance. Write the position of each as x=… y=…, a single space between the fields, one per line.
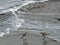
x=14 y=23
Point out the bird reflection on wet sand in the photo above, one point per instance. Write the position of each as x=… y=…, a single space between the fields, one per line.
x=25 y=43
x=44 y=42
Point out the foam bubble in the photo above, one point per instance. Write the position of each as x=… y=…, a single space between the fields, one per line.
x=2 y=34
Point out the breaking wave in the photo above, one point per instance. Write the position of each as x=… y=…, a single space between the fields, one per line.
x=9 y=20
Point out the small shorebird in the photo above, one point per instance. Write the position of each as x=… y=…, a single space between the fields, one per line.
x=44 y=34
x=24 y=37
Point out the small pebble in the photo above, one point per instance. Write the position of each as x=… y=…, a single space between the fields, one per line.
x=2 y=14
x=23 y=0
x=58 y=19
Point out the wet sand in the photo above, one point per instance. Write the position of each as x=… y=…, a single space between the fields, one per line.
x=31 y=40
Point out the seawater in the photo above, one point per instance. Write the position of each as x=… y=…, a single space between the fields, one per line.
x=11 y=22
